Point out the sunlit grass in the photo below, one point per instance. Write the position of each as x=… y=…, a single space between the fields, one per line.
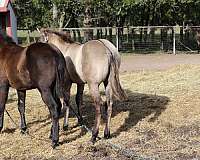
x=161 y=119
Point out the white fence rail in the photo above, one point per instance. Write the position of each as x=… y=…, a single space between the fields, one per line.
x=132 y=39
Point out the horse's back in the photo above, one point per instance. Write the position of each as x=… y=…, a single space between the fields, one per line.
x=112 y=49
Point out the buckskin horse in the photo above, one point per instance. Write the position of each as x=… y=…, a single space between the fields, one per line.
x=93 y=62
x=40 y=66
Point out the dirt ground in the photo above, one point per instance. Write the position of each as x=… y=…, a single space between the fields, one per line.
x=159 y=121
x=157 y=61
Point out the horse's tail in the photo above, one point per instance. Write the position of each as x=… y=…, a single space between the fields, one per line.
x=60 y=82
x=116 y=87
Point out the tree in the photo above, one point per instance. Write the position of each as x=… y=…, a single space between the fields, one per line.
x=70 y=13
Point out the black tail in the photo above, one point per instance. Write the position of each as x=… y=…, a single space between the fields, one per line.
x=60 y=76
x=60 y=82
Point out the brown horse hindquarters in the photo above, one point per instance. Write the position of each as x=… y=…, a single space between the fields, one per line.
x=41 y=65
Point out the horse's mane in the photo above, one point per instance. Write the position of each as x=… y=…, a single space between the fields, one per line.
x=64 y=36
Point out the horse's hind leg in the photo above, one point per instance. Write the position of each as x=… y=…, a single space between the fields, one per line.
x=21 y=108
x=94 y=90
x=79 y=101
x=49 y=100
x=109 y=103
x=3 y=98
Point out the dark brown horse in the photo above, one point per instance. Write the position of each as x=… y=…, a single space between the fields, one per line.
x=95 y=62
x=40 y=66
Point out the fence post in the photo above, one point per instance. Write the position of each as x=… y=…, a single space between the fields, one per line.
x=28 y=37
x=117 y=38
x=174 y=40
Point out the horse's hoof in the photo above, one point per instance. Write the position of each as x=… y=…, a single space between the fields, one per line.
x=24 y=130
x=1 y=129
x=55 y=144
x=94 y=138
x=65 y=128
x=80 y=121
x=107 y=135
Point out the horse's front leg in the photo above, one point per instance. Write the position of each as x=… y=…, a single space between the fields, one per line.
x=66 y=104
x=4 y=88
x=79 y=101
x=21 y=107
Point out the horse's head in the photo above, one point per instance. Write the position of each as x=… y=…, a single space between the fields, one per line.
x=50 y=36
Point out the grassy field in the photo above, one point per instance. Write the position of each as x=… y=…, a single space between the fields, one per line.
x=159 y=121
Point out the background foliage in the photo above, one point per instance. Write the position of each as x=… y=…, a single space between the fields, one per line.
x=71 y=13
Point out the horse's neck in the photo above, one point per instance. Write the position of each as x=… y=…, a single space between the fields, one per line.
x=62 y=46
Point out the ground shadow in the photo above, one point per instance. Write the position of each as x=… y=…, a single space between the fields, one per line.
x=9 y=130
x=40 y=121
x=138 y=105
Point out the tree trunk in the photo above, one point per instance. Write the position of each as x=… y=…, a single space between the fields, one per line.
x=55 y=15
x=61 y=21
x=88 y=34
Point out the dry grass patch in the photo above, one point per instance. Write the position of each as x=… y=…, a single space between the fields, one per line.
x=160 y=120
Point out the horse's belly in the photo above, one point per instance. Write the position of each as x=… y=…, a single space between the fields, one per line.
x=76 y=60
x=80 y=72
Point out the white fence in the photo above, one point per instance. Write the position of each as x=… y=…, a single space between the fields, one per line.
x=132 y=39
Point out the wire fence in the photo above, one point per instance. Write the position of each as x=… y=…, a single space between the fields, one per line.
x=170 y=39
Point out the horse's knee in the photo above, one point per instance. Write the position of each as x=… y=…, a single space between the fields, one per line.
x=55 y=115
